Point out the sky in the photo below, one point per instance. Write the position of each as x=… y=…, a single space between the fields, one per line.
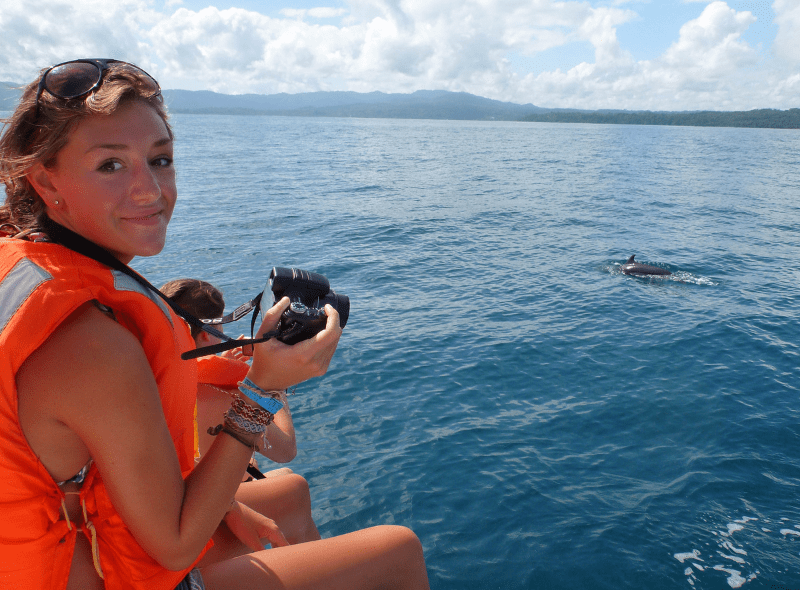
x=590 y=54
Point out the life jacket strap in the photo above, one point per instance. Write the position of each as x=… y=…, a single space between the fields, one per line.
x=77 y=243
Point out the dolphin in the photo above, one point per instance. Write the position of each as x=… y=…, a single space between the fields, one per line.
x=638 y=269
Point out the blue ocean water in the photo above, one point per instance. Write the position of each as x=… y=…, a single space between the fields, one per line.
x=539 y=419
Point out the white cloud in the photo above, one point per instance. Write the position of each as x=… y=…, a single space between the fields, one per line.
x=708 y=67
x=710 y=47
x=37 y=33
x=405 y=45
x=324 y=12
x=787 y=41
x=319 y=13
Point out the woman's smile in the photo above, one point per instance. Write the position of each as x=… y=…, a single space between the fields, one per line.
x=151 y=217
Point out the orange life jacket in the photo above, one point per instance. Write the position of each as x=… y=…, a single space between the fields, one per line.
x=40 y=285
x=221 y=371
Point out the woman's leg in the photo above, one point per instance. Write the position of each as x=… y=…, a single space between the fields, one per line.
x=283 y=498
x=286 y=500
x=376 y=558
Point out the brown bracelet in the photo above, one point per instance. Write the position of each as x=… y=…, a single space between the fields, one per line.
x=215 y=430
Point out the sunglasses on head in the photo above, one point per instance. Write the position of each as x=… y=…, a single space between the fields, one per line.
x=79 y=77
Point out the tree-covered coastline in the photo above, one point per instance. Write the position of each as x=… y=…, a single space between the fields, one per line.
x=761 y=118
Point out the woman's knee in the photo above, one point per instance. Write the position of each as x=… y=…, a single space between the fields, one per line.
x=299 y=487
x=279 y=472
x=400 y=538
x=398 y=551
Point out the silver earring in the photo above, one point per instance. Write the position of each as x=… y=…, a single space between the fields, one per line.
x=55 y=202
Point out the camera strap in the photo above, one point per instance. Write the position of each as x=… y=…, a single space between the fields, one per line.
x=77 y=243
x=230 y=342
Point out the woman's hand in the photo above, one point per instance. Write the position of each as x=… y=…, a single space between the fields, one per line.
x=238 y=354
x=278 y=366
x=250 y=527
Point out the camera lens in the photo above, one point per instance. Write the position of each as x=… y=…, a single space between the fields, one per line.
x=341 y=303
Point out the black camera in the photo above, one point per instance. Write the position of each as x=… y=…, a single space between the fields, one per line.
x=308 y=293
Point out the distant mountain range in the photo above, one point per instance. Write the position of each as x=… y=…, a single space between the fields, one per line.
x=422 y=104
x=437 y=104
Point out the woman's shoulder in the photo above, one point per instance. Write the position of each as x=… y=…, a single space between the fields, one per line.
x=91 y=336
x=84 y=363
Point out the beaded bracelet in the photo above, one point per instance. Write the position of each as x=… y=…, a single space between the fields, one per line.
x=243 y=418
x=236 y=421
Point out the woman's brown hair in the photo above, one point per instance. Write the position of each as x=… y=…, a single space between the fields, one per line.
x=36 y=132
x=203 y=300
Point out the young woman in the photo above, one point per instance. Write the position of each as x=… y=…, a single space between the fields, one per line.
x=282 y=495
x=96 y=408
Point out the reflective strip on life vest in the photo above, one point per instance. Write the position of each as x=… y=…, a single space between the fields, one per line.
x=123 y=282
x=17 y=286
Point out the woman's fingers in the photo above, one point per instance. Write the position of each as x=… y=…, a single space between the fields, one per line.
x=333 y=318
x=328 y=338
x=273 y=534
x=250 y=527
x=272 y=316
x=277 y=365
x=247 y=349
x=238 y=524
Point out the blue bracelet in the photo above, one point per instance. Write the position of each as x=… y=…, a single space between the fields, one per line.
x=247 y=382
x=269 y=404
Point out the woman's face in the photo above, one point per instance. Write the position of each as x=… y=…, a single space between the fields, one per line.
x=114 y=181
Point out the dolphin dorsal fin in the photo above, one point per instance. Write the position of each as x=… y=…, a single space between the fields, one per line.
x=630 y=260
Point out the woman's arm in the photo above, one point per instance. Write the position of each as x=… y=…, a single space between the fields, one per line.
x=92 y=378
x=281 y=437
